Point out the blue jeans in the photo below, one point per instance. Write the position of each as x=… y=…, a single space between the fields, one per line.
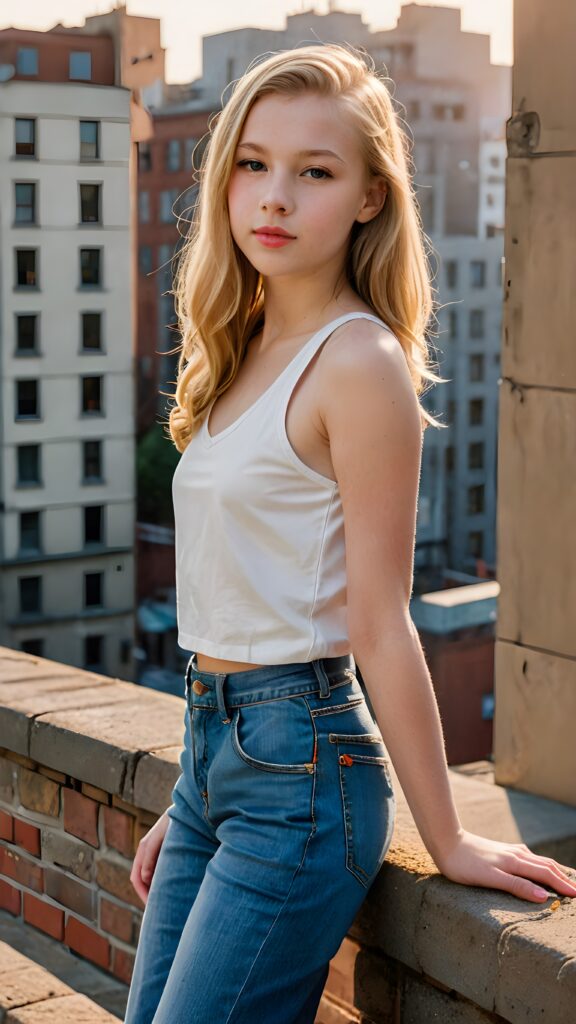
x=280 y=821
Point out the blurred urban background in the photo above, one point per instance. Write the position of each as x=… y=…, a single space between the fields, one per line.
x=97 y=150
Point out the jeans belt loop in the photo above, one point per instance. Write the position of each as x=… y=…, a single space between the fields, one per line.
x=322 y=677
x=223 y=710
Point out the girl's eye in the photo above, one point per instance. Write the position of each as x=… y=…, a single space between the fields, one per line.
x=249 y=163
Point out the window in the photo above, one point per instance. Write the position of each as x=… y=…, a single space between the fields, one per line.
x=144 y=207
x=89 y=140
x=91 y=394
x=476 y=366
x=451 y=273
x=92 y=332
x=30 y=588
x=26 y=334
x=475 y=411
x=144 y=156
x=452 y=324
x=476 y=323
x=26 y=268
x=93 y=524
x=172 y=155
x=189 y=147
x=451 y=411
x=35 y=647
x=89 y=204
x=27 y=60
x=477 y=273
x=90 y=269
x=27 y=400
x=475 y=499
x=28 y=465
x=94 y=653
x=80 y=65
x=476 y=455
x=25 y=136
x=25 y=202
x=167 y=200
x=475 y=543
x=413 y=111
x=92 y=461
x=93 y=589
x=29 y=531
x=145 y=259
x=449 y=453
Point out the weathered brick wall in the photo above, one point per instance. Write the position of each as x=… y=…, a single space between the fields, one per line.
x=65 y=859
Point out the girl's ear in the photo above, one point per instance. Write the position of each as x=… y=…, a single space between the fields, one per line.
x=374 y=200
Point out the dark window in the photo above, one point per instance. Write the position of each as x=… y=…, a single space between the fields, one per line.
x=145 y=259
x=27 y=399
x=26 y=333
x=475 y=543
x=172 y=155
x=30 y=588
x=94 y=653
x=28 y=464
x=475 y=411
x=144 y=206
x=93 y=524
x=93 y=589
x=476 y=455
x=451 y=411
x=475 y=499
x=476 y=323
x=476 y=366
x=452 y=324
x=80 y=65
x=91 y=394
x=477 y=273
x=167 y=199
x=27 y=60
x=144 y=156
x=29 y=531
x=449 y=458
x=92 y=460
x=35 y=647
x=89 y=140
x=92 y=331
x=90 y=270
x=26 y=269
x=89 y=204
x=24 y=202
x=25 y=132
x=451 y=273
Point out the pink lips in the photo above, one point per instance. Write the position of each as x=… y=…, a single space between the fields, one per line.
x=273 y=238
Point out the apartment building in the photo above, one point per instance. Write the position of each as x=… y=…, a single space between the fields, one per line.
x=67 y=482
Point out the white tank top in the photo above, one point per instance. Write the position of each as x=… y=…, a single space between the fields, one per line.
x=260 y=557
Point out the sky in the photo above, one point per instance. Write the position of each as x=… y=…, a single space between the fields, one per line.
x=185 y=22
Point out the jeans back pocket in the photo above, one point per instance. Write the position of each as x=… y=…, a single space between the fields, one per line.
x=368 y=802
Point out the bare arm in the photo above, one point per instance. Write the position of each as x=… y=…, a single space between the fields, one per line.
x=373 y=423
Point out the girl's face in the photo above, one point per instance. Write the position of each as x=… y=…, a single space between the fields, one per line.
x=298 y=166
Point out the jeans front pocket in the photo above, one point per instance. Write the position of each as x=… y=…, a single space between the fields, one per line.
x=275 y=735
x=368 y=801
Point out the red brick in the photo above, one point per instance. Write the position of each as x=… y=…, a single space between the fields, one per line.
x=9 y=898
x=6 y=827
x=38 y=793
x=115 y=920
x=87 y=942
x=21 y=869
x=81 y=816
x=69 y=891
x=122 y=964
x=119 y=829
x=115 y=878
x=28 y=836
x=44 y=916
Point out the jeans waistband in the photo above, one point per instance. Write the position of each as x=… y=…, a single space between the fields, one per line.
x=226 y=690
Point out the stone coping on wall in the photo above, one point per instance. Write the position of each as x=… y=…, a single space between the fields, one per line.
x=506 y=956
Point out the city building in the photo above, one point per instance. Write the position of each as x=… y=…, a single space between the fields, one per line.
x=67 y=484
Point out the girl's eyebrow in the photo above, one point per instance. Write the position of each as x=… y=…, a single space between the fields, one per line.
x=302 y=152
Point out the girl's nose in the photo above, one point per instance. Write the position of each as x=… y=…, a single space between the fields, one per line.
x=276 y=199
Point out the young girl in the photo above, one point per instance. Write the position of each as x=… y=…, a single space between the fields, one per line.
x=303 y=300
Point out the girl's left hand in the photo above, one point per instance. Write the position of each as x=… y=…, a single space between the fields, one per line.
x=475 y=860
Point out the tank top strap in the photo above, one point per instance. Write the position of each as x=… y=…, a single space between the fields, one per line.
x=300 y=362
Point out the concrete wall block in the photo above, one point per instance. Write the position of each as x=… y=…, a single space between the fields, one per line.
x=538 y=968
x=68 y=852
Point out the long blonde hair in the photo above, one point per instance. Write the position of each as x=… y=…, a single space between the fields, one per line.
x=219 y=294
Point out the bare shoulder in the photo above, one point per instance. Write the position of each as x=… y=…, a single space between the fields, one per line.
x=364 y=371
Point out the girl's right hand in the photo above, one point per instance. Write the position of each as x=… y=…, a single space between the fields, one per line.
x=147 y=855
